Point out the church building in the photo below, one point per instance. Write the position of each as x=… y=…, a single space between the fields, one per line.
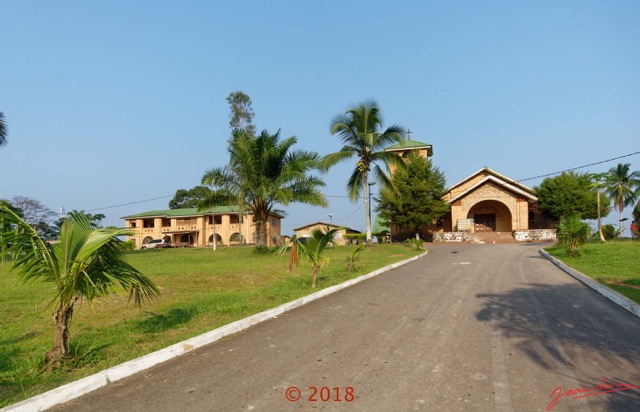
x=485 y=202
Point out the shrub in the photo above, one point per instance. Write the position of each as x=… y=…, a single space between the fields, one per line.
x=609 y=232
x=128 y=245
x=355 y=238
x=572 y=232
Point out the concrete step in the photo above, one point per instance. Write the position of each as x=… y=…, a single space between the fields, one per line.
x=493 y=237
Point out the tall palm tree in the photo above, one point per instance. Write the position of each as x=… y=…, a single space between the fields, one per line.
x=264 y=172
x=623 y=187
x=360 y=131
x=3 y=130
x=85 y=264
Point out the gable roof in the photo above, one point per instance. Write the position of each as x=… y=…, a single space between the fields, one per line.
x=497 y=178
x=189 y=212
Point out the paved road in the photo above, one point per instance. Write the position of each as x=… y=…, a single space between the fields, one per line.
x=467 y=328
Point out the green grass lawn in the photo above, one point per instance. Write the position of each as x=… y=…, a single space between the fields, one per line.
x=200 y=291
x=614 y=264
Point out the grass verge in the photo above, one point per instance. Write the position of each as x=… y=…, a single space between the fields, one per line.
x=615 y=264
x=200 y=290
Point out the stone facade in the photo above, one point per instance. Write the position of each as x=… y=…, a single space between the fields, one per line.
x=495 y=203
x=535 y=235
x=451 y=237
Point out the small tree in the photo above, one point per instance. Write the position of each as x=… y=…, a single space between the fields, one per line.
x=570 y=193
x=241 y=116
x=3 y=130
x=572 y=232
x=312 y=249
x=85 y=264
x=416 y=201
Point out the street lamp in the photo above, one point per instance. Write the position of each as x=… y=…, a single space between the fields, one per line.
x=369 y=217
x=330 y=219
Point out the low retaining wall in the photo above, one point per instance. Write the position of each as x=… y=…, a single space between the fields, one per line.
x=452 y=237
x=534 y=234
x=519 y=235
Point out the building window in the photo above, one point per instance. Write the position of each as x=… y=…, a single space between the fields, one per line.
x=132 y=224
x=234 y=219
x=166 y=222
x=218 y=220
x=235 y=238
x=148 y=223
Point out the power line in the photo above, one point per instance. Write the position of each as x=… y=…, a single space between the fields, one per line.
x=579 y=167
x=347 y=197
x=130 y=203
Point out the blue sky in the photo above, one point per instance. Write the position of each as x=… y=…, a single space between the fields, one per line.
x=115 y=102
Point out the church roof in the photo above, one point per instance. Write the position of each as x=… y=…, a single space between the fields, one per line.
x=497 y=178
x=410 y=144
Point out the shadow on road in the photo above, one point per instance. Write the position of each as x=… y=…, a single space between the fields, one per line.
x=558 y=326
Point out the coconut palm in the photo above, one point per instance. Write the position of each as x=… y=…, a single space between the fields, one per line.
x=3 y=130
x=623 y=187
x=263 y=172
x=85 y=264
x=359 y=130
x=312 y=249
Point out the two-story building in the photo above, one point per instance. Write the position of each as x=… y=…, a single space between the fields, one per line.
x=188 y=227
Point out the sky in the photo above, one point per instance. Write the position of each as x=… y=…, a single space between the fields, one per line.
x=120 y=102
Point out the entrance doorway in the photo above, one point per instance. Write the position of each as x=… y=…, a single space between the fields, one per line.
x=485 y=222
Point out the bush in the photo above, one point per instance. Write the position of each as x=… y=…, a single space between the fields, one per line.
x=355 y=238
x=572 y=232
x=128 y=245
x=609 y=232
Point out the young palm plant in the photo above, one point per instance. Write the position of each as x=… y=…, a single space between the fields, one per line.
x=312 y=249
x=85 y=264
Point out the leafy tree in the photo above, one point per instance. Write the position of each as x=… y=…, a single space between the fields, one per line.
x=85 y=264
x=312 y=248
x=570 y=193
x=623 y=187
x=417 y=201
x=3 y=130
x=188 y=198
x=264 y=172
x=572 y=232
x=360 y=131
x=36 y=214
x=241 y=116
x=53 y=231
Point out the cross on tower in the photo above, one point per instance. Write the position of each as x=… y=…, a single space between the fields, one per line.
x=409 y=134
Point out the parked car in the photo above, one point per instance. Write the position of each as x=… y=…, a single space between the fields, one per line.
x=157 y=243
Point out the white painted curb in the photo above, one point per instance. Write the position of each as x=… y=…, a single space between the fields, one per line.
x=83 y=386
x=620 y=300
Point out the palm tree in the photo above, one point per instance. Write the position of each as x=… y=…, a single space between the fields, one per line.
x=623 y=187
x=263 y=172
x=359 y=129
x=312 y=249
x=85 y=264
x=3 y=130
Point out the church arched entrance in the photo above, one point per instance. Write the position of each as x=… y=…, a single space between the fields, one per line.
x=490 y=216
